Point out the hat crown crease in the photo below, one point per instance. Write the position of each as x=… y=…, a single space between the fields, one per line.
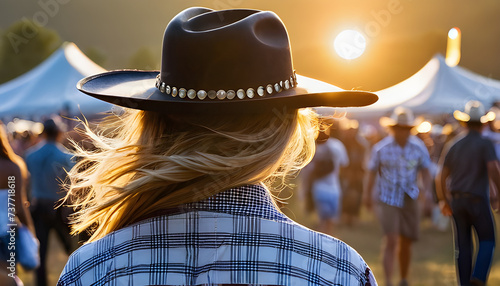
x=215 y=20
x=269 y=32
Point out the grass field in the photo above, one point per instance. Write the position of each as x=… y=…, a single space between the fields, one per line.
x=432 y=262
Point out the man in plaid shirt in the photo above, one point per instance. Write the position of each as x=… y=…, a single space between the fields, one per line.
x=394 y=164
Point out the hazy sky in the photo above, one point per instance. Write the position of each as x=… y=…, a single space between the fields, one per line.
x=402 y=34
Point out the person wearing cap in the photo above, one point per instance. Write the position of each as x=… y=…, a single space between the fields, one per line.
x=47 y=163
x=463 y=191
x=178 y=192
x=394 y=165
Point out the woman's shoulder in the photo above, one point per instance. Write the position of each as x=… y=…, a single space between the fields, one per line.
x=327 y=243
x=300 y=242
x=313 y=245
x=288 y=230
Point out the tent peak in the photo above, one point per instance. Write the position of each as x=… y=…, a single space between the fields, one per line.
x=79 y=60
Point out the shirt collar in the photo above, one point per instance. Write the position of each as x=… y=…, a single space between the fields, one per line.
x=412 y=140
x=474 y=132
x=248 y=200
x=393 y=142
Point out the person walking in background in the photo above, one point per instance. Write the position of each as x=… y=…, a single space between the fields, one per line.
x=353 y=173
x=394 y=164
x=13 y=176
x=48 y=163
x=464 y=193
x=324 y=179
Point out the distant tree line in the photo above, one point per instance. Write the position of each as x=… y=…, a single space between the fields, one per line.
x=24 y=45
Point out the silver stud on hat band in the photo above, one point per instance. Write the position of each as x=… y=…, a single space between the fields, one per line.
x=241 y=93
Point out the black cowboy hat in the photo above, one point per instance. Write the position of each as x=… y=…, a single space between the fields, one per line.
x=228 y=61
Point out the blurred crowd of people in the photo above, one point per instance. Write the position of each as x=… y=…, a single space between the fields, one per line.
x=352 y=141
x=390 y=167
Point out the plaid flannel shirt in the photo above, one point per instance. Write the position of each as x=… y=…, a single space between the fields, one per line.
x=235 y=237
x=397 y=168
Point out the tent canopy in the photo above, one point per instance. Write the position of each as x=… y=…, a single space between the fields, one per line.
x=435 y=89
x=50 y=88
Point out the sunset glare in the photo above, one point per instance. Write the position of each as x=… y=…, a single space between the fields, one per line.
x=349 y=44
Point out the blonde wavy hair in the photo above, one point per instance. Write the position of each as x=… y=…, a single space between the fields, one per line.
x=145 y=161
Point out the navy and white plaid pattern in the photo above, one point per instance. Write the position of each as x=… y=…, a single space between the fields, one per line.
x=397 y=168
x=235 y=237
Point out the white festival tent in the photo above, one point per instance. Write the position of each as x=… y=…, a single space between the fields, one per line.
x=435 y=89
x=50 y=88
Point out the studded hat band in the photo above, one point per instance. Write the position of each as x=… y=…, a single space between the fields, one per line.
x=241 y=93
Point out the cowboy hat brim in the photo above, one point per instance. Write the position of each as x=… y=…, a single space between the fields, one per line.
x=464 y=117
x=461 y=116
x=136 y=89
